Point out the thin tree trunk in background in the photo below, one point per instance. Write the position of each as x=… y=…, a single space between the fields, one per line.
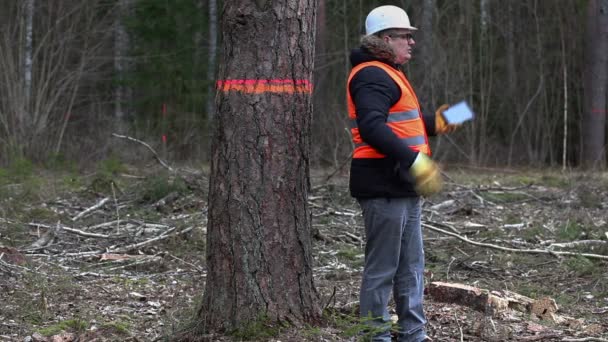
x=484 y=71
x=122 y=93
x=321 y=57
x=22 y=98
x=259 y=239
x=211 y=60
x=512 y=72
x=27 y=63
x=467 y=15
x=346 y=50
x=484 y=16
x=510 y=38
x=596 y=85
x=425 y=46
x=322 y=90
x=565 y=82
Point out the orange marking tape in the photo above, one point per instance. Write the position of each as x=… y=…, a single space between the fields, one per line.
x=266 y=86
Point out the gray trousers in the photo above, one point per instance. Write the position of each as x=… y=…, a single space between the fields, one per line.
x=394 y=260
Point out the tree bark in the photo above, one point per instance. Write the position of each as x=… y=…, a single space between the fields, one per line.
x=596 y=85
x=259 y=234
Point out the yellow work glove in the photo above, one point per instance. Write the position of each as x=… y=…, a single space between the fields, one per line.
x=427 y=177
x=441 y=126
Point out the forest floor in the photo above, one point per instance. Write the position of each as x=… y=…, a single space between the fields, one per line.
x=118 y=255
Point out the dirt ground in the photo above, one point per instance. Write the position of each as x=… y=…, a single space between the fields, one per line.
x=118 y=255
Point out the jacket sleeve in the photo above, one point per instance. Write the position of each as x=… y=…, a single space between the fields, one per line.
x=429 y=124
x=374 y=93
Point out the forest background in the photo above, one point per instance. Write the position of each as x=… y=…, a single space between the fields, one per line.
x=82 y=210
x=75 y=71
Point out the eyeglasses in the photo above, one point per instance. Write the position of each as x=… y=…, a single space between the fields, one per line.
x=406 y=36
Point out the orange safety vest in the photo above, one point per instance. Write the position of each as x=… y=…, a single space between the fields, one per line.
x=405 y=116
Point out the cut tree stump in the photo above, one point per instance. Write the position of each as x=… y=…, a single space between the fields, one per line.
x=12 y=256
x=473 y=297
x=493 y=303
x=545 y=308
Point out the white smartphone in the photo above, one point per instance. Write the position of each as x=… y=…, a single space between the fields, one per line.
x=458 y=113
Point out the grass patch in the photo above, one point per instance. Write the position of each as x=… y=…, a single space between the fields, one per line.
x=570 y=231
x=565 y=299
x=262 y=328
x=352 y=325
x=590 y=199
x=534 y=233
x=38 y=292
x=533 y=290
x=41 y=214
x=159 y=186
x=111 y=167
x=131 y=284
x=584 y=267
x=106 y=180
x=19 y=171
x=352 y=256
x=504 y=196
x=60 y=164
x=190 y=245
x=74 y=325
x=311 y=332
x=118 y=327
x=555 y=181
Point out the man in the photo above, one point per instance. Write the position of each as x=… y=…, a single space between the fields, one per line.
x=390 y=170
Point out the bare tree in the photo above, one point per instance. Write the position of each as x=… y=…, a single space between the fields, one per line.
x=39 y=89
x=27 y=68
x=596 y=85
x=259 y=233
x=426 y=55
x=122 y=93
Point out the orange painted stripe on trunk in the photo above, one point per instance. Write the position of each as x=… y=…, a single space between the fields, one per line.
x=266 y=86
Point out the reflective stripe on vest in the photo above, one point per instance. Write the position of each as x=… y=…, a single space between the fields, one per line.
x=394 y=117
x=404 y=117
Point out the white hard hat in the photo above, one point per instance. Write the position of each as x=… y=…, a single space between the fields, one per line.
x=386 y=17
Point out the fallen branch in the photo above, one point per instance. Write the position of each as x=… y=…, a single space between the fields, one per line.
x=13 y=269
x=514 y=250
x=585 y=339
x=44 y=240
x=94 y=207
x=83 y=233
x=481 y=199
x=133 y=223
x=353 y=236
x=575 y=244
x=137 y=262
x=198 y=268
x=72 y=230
x=108 y=224
x=162 y=162
x=125 y=249
x=549 y=336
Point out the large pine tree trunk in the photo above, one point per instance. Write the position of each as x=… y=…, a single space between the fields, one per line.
x=596 y=85
x=259 y=239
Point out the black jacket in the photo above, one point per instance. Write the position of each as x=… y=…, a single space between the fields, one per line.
x=373 y=92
